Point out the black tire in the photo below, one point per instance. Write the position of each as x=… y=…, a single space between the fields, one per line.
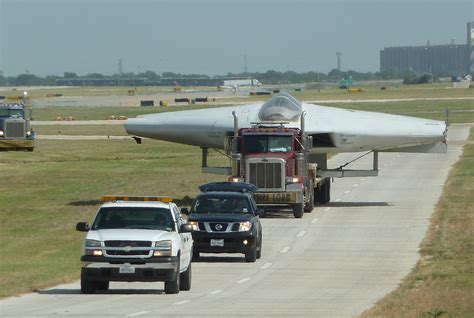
x=102 y=286
x=309 y=205
x=298 y=210
x=88 y=286
x=251 y=255
x=259 y=251
x=324 y=191
x=172 y=286
x=29 y=149
x=185 y=279
x=196 y=256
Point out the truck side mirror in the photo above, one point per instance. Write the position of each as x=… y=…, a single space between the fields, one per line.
x=186 y=228
x=82 y=227
x=185 y=211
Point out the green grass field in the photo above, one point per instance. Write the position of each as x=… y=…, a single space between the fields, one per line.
x=443 y=279
x=45 y=193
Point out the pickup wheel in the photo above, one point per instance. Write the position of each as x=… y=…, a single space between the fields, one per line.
x=185 y=279
x=251 y=255
x=88 y=286
x=102 y=286
x=172 y=286
x=298 y=210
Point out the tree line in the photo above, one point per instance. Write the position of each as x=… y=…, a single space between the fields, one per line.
x=152 y=78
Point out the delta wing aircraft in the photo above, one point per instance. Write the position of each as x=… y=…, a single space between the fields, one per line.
x=313 y=130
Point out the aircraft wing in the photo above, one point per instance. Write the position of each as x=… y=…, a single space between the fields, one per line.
x=333 y=129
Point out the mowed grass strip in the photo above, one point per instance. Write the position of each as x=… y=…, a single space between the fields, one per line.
x=81 y=130
x=46 y=192
x=443 y=279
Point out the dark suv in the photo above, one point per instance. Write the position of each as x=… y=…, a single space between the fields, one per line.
x=226 y=220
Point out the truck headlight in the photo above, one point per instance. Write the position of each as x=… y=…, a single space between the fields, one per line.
x=93 y=243
x=245 y=226
x=163 y=248
x=28 y=133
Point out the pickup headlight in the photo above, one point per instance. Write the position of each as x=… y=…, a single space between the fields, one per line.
x=163 y=248
x=93 y=243
x=245 y=226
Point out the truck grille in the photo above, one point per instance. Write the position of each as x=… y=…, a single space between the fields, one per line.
x=15 y=129
x=268 y=174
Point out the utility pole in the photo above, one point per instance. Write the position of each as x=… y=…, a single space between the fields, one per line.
x=245 y=63
x=338 y=54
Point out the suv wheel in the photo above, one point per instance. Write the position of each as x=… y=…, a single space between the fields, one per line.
x=185 y=279
x=102 y=286
x=259 y=251
x=196 y=255
x=172 y=286
x=251 y=255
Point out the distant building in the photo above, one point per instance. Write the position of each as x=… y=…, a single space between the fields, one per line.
x=440 y=60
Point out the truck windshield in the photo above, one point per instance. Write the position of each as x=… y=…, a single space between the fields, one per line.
x=134 y=218
x=221 y=204
x=264 y=144
x=6 y=112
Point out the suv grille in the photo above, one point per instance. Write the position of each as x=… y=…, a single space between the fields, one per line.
x=212 y=227
x=268 y=175
x=15 y=129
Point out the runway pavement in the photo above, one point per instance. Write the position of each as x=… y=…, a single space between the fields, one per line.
x=334 y=262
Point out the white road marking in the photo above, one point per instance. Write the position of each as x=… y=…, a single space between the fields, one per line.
x=363 y=179
x=315 y=220
x=182 y=302
x=285 y=250
x=138 y=313
x=301 y=234
x=385 y=164
x=243 y=280
x=338 y=200
x=266 y=266
x=356 y=185
x=347 y=192
x=327 y=209
x=217 y=291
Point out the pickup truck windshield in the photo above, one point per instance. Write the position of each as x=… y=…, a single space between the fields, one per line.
x=210 y=204
x=134 y=218
x=266 y=143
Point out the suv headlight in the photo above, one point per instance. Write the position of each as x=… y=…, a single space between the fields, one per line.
x=245 y=226
x=93 y=243
x=163 y=248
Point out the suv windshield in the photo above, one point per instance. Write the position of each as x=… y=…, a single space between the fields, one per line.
x=264 y=144
x=134 y=218
x=221 y=204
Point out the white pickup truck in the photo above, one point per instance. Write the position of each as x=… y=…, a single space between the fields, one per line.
x=136 y=239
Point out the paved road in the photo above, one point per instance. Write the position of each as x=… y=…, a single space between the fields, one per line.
x=336 y=261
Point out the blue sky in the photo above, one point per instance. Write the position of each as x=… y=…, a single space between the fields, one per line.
x=212 y=37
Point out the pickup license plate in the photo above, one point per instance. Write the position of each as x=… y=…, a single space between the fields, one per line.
x=126 y=269
x=217 y=242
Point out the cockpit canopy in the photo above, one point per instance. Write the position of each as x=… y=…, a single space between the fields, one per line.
x=282 y=107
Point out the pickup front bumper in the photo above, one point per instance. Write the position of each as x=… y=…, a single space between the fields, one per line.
x=155 y=269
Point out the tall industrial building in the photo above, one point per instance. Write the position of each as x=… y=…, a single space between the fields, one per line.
x=440 y=60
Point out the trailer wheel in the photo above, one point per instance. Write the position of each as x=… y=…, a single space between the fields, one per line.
x=298 y=210
x=309 y=205
x=323 y=191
